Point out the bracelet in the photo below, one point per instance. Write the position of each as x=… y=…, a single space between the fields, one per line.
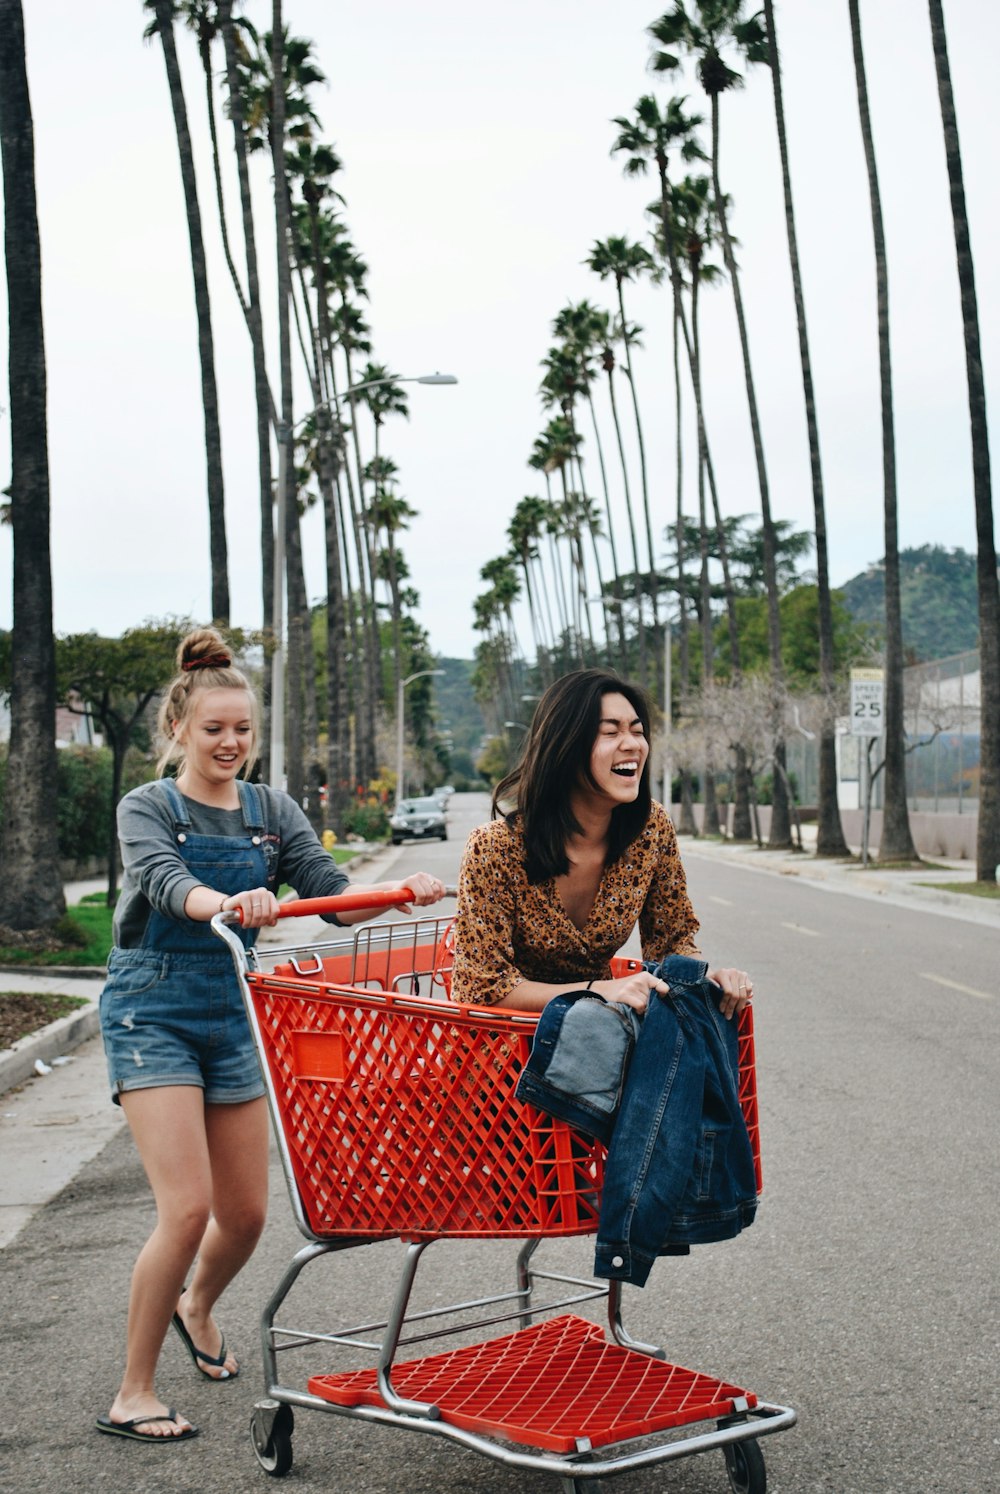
x=222 y=905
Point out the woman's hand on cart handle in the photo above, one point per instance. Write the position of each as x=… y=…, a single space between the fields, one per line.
x=254 y=909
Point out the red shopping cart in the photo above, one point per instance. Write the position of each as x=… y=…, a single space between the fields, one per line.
x=395 y=1118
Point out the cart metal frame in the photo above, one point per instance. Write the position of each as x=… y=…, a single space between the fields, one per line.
x=402 y=969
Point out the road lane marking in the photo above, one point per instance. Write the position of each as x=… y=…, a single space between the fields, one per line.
x=800 y=928
x=954 y=985
x=725 y=901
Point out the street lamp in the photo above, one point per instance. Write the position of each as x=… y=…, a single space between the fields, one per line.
x=286 y=434
x=420 y=674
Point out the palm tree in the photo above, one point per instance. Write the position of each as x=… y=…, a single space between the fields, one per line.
x=988 y=832
x=390 y=514
x=720 y=20
x=830 y=839
x=163 y=26
x=266 y=413
x=31 y=887
x=622 y=260
x=897 y=841
x=583 y=331
x=524 y=531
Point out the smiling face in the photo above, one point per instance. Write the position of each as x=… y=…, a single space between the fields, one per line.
x=619 y=753
x=217 y=737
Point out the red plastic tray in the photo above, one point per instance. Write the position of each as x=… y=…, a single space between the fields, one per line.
x=548 y=1386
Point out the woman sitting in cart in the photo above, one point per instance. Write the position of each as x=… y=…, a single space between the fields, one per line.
x=554 y=887
x=180 y=1055
x=547 y=896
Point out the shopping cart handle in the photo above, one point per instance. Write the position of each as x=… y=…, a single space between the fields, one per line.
x=349 y=902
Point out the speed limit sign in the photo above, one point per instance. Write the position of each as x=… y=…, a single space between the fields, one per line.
x=867 y=702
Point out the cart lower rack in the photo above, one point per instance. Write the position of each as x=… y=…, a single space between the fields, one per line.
x=395 y=1118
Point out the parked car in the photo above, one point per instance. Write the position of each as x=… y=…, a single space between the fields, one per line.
x=443 y=793
x=418 y=819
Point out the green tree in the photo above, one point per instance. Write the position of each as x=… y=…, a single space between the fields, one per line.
x=988 y=831
x=162 y=26
x=897 y=840
x=30 y=888
x=115 y=679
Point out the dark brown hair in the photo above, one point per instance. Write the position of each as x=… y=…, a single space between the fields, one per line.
x=556 y=755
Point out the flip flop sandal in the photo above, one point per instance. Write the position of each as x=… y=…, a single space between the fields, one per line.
x=218 y=1360
x=128 y=1428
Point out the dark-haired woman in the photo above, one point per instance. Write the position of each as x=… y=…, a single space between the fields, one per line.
x=552 y=889
x=547 y=895
x=180 y=1054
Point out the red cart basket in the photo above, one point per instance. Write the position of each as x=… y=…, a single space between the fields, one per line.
x=395 y=1118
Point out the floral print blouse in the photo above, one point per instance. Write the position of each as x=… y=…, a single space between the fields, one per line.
x=507 y=931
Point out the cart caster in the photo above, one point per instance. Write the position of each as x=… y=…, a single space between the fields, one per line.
x=745 y=1466
x=271 y=1426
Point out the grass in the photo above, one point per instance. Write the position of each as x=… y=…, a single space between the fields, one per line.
x=971 y=889
x=83 y=935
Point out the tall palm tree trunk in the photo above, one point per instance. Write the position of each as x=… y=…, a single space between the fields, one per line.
x=206 y=350
x=616 y=587
x=830 y=840
x=710 y=813
x=651 y=551
x=31 y=893
x=780 y=834
x=637 y=587
x=266 y=413
x=287 y=515
x=897 y=841
x=988 y=832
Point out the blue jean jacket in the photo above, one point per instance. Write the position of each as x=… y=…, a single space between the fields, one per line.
x=662 y=1093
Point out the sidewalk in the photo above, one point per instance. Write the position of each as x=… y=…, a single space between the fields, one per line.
x=899 y=888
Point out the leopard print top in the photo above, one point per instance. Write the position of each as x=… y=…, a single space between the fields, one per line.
x=507 y=931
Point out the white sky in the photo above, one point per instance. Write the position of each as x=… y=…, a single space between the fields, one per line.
x=477 y=175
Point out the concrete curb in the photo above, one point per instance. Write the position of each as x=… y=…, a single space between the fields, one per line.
x=54 y=1041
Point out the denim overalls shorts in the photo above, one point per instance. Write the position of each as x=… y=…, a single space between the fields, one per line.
x=171 y=1011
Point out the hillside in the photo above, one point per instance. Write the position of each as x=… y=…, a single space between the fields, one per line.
x=938 y=595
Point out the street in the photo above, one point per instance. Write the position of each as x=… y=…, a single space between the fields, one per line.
x=866 y=1294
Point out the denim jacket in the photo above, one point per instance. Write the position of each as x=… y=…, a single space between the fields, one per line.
x=662 y=1092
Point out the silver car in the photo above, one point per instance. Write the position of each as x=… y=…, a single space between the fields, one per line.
x=418 y=819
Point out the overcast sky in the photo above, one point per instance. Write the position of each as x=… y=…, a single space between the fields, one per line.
x=475 y=142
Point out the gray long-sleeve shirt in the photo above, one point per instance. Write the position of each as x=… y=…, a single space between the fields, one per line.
x=156 y=876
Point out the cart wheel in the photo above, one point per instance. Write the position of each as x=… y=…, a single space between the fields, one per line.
x=273 y=1448
x=745 y=1466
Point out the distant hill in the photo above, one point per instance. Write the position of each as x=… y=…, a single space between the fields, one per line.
x=938 y=595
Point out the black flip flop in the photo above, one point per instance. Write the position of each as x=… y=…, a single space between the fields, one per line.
x=218 y=1360
x=128 y=1428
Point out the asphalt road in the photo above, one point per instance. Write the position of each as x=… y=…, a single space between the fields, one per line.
x=866 y=1295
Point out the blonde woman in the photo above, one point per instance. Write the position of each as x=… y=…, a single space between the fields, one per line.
x=180 y=1056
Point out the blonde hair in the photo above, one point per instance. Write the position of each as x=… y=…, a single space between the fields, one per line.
x=204 y=662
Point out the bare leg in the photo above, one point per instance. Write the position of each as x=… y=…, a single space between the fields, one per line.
x=168 y=1125
x=237 y=1148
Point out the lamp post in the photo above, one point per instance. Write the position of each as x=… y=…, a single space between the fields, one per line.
x=286 y=435
x=400 y=699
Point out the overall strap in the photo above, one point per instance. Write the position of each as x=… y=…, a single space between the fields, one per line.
x=176 y=802
x=251 y=805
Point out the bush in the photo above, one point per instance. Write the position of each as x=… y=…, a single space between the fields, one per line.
x=370 y=821
x=84 y=796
